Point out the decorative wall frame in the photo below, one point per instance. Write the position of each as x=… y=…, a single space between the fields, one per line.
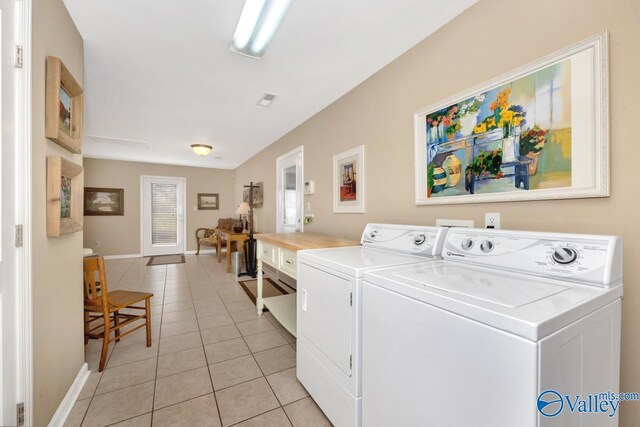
x=258 y=195
x=348 y=181
x=63 y=107
x=65 y=181
x=103 y=201
x=208 y=201
x=538 y=132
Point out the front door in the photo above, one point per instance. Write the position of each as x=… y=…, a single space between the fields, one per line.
x=163 y=215
x=290 y=194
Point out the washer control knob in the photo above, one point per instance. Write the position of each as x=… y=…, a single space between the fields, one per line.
x=487 y=246
x=564 y=255
x=467 y=244
x=419 y=239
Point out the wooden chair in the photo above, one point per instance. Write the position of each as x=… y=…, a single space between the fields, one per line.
x=208 y=236
x=104 y=307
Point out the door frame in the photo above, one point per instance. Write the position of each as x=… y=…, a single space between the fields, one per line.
x=184 y=209
x=24 y=303
x=300 y=187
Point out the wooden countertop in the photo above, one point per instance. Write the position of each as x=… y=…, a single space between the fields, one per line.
x=301 y=241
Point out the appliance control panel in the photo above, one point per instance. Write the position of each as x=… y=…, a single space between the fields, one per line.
x=596 y=260
x=413 y=239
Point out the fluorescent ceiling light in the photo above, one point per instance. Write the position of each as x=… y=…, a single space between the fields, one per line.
x=258 y=24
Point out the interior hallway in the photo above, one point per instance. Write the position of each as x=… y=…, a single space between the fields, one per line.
x=213 y=361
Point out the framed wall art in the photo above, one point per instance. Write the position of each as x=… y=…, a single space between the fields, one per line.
x=63 y=110
x=103 y=201
x=348 y=181
x=208 y=201
x=539 y=132
x=64 y=196
x=258 y=195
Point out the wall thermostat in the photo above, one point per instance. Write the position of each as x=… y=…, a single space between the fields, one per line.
x=308 y=187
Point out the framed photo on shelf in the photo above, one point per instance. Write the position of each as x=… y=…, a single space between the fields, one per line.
x=103 y=201
x=63 y=107
x=538 y=132
x=208 y=201
x=348 y=181
x=64 y=196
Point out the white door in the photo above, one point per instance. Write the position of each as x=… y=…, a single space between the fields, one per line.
x=9 y=338
x=290 y=184
x=163 y=210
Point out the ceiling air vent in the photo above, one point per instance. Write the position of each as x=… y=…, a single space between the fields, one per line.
x=267 y=99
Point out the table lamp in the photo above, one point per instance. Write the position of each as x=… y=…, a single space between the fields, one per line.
x=243 y=209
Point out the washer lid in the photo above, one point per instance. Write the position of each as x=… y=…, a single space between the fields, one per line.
x=525 y=305
x=353 y=260
x=493 y=287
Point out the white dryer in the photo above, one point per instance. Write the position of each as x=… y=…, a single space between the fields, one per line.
x=329 y=310
x=479 y=337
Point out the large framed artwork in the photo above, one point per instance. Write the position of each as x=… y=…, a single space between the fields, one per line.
x=348 y=181
x=103 y=201
x=64 y=196
x=63 y=110
x=539 y=132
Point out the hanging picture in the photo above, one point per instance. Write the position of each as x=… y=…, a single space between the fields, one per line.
x=103 y=201
x=540 y=132
x=258 y=195
x=63 y=112
x=348 y=181
x=64 y=196
x=208 y=201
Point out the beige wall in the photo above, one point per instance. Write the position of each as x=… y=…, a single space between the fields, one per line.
x=57 y=262
x=489 y=39
x=118 y=174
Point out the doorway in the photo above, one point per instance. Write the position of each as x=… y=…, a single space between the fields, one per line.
x=163 y=225
x=290 y=185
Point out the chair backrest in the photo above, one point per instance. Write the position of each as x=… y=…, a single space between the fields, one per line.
x=228 y=223
x=95 y=288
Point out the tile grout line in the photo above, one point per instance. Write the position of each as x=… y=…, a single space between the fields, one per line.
x=155 y=378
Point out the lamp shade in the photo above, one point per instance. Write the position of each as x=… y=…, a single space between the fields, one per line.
x=243 y=209
x=201 y=149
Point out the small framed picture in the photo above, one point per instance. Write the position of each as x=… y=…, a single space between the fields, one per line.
x=208 y=201
x=63 y=111
x=103 y=201
x=64 y=196
x=258 y=195
x=348 y=181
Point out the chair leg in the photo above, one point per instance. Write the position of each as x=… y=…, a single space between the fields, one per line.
x=198 y=251
x=105 y=344
x=147 y=307
x=116 y=324
x=86 y=328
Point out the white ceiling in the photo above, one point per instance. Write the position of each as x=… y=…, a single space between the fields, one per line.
x=159 y=75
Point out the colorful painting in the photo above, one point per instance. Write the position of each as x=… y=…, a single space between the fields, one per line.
x=65 y=197
x=518 y=138
x=348 y=181
x=64 y=116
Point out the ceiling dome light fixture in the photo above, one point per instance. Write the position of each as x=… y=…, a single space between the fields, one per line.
x=258 y=24
x=201 y=149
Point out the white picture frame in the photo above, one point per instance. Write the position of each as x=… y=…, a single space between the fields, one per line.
x=348 y=181
x=589 y=160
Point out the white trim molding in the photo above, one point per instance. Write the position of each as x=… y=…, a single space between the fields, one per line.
x=202 y=251
x=63 y=411
x=122 y=256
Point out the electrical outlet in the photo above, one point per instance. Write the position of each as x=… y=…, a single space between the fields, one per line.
x=492 y=220
x=97 y=243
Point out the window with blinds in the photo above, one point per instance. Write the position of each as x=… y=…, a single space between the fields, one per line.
x=164 y=215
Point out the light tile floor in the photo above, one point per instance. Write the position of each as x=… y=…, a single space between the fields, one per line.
x=213 y=361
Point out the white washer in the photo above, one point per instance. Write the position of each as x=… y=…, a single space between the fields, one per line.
x=473 y=339
x=329 y=310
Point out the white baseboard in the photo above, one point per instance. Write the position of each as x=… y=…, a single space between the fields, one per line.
x=202 y=251
x=60 y=417
x=123 y=256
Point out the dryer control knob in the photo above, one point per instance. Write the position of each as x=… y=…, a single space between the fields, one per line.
x=467 y=244
x=564 y=255
x=486 y=246
x=373 y=234
x=419 y=239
